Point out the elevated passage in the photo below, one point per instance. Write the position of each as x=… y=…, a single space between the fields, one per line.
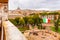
x=11 y=32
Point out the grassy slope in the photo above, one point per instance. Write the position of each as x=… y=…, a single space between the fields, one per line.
x=53 y=29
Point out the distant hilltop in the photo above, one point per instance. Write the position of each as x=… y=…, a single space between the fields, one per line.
x=5 y=6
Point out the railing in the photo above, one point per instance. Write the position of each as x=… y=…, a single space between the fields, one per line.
x=2 y=33
x=11 y=32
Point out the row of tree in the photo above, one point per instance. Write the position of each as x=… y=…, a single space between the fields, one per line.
x=27 y=20
x=35 y=20
x=47 y=13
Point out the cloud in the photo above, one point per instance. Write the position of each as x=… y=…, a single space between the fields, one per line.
x=37 y=4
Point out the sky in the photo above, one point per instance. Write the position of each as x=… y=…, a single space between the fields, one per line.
x=34 y=4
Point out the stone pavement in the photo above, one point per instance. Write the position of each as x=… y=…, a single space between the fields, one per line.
x=42 y=35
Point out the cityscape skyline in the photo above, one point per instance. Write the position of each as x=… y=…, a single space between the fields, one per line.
x=34 y=4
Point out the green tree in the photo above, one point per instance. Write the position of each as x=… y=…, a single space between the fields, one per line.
x=31 y=21
x=44 y=13
x=21 y=21
x=56 y=20
x=26 y=21
x=59 y=21
x=36 y=19
x=13 y=21
x=17 y=20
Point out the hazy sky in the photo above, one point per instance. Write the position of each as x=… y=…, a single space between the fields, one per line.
x=34 y=4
